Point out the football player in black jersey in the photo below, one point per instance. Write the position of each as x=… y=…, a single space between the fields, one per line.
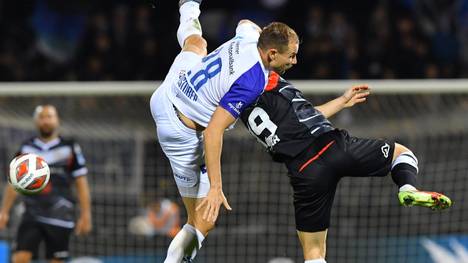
x=50 y=215
x=318 y=155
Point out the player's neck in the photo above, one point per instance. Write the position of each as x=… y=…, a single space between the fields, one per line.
x=264 y=58
x=46 y=139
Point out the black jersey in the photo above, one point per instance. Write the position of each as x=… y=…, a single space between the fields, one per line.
x=55 y=204
x=283 y=120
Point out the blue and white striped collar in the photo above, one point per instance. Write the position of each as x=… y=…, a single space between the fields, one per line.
x=46 y=145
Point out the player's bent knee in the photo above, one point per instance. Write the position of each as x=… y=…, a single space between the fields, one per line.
x=196 y=44
x=22 y=257
x=404 y=155
x=399 y=149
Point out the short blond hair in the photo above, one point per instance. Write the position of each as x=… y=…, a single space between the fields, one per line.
x=277 y=35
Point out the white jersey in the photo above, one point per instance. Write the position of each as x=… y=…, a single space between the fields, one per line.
x=232 y=77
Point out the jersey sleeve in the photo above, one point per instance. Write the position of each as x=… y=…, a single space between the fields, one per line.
x=247 y=31
x=79 y=163
x=244 y=91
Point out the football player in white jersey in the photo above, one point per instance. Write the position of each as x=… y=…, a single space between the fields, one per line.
x=201 y=97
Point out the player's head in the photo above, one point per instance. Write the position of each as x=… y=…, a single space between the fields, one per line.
x=279 y=45
x=46 y=119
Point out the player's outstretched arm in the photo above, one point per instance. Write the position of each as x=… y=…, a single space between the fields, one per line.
x=9 y=198
x=213 y=136
x=354 y=95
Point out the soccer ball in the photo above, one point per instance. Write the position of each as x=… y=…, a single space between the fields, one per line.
x=29 y=174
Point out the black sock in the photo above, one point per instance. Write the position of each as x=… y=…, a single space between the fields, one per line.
x=404 y=173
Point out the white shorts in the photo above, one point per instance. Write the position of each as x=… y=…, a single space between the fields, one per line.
x=183 y=146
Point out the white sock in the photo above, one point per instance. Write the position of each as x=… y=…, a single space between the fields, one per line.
x=192 y=250
x=320 y=260
x=407 y=187
x=182 y=243
x=200 y=238
x=189 y=24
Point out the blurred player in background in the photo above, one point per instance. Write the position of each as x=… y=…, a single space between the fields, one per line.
x=50 y=215
x=164 y=216
x=199 y=99
x=317 y=156
x=161 y=217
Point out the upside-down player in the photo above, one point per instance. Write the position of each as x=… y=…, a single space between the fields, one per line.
x=318 y=155
x=200 y=97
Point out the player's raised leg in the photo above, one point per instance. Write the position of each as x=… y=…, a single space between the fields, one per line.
x=404 y=174
x=189 y=33
x=313 y=245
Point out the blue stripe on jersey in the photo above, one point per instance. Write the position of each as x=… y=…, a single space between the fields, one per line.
x=244 y=91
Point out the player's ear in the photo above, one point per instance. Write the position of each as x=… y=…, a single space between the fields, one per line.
x=272 y=54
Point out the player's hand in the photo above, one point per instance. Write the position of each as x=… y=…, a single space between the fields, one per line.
x=83 y=225
x=356 y=94
x=212 y=203
x=4 y=217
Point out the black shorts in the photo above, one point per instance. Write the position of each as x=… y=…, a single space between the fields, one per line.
x=31 y=233
x=315 y=173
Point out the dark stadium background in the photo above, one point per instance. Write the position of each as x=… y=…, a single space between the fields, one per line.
x=104 y=40
x=128 y=40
